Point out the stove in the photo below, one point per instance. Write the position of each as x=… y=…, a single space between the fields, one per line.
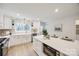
x=4 y=46
x=2 y=39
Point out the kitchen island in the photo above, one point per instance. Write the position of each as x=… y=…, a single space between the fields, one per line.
x=69 y=48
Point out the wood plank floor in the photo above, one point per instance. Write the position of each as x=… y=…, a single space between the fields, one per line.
x=22 y=50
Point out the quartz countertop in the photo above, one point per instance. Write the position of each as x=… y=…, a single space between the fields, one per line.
x=67 y=47
x=21 y=33
x=7 y=36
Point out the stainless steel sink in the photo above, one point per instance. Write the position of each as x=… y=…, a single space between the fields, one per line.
x=67 y=39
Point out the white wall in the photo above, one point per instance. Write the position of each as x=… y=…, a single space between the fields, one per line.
x=49 y=16
x=68 y=26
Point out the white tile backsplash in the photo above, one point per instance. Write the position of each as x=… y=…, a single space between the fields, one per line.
x=4 y=33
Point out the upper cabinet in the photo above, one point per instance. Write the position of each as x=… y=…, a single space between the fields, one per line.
x=1 y=21
x=5 y=22
x=77 y=27
x=77 y=22
x=36 y=26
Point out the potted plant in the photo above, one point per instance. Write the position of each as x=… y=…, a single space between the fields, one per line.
x=45 y=33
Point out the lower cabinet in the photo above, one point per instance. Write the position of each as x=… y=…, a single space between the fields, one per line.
x=19 y=39
x=38 y=47
x=43 y=49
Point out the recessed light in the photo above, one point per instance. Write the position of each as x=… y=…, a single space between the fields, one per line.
x=56 y=10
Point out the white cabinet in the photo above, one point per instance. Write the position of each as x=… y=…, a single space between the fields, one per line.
x=38 y=47
x=1 y=21
x=19 y=39
x=36 y=25
x=5 y=22
x=16 y=40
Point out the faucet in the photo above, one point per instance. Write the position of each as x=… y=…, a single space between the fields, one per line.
x=55 y=36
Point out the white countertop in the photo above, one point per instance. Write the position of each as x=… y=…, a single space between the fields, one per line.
x=22 y=34
x=67 y=47
x=8 y=36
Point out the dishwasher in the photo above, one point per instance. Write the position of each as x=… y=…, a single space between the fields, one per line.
x=50 y=51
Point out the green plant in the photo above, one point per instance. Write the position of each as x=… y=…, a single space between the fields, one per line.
x=45 y=33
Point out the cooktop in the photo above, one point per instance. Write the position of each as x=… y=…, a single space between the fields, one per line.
x=2 y=39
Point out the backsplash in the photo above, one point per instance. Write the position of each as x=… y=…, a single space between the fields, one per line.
x=4 y=33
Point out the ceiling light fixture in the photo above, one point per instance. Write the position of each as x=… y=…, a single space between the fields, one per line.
x=56 y=10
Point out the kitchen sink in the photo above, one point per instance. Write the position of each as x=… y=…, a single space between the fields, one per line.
x=67 y=39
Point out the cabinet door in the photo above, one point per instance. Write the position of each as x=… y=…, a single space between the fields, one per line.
x=12 y=41
x=19 y=39
x=28 y=38
x=1 y=21
x=7 y=23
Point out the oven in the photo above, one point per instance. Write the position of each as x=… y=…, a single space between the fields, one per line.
x=50 y=51
x=4 y=47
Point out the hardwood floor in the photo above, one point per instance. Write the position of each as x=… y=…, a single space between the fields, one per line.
x=22 y=50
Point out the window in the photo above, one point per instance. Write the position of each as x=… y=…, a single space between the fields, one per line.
x=22 y=27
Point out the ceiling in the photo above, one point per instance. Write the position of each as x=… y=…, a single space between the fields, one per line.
x=42 y=9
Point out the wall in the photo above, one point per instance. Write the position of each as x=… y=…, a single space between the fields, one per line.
x=68 y=26
x=67 y=22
